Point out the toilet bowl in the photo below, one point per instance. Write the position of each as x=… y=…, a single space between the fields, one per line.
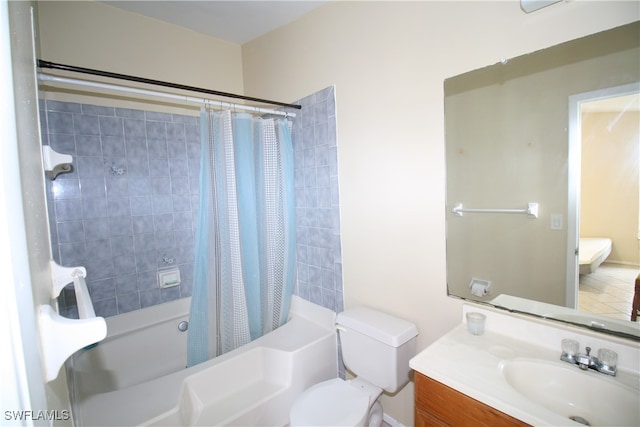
x=376 y=347
x=337 y=402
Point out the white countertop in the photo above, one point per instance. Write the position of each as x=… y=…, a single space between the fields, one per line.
x=473 y=364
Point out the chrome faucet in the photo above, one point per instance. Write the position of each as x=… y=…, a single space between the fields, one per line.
x=605 y=363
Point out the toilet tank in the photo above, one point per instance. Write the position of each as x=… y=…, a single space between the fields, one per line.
x=377 y=346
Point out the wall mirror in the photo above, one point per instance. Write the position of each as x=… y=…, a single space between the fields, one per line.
x=525 y=183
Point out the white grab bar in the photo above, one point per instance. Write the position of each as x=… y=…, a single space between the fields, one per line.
x=60 y=337
x=532 y=210
x=83 y=299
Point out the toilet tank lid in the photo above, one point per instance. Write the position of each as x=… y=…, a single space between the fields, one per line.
x=383 y=327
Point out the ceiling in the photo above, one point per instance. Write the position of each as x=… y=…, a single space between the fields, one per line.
x=237 y=21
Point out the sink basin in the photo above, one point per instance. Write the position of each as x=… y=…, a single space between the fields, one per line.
x=582 y=396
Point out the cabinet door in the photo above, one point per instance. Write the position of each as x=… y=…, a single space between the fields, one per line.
x=439 y=405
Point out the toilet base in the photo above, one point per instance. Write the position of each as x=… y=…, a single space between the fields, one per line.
x=375 y=415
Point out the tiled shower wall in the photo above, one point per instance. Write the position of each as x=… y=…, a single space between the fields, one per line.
x=128 y=208
x=319 y=251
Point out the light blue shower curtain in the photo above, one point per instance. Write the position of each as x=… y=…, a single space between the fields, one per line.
x=244 y=268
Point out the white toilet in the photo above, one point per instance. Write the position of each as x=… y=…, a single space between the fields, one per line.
x=377 y=348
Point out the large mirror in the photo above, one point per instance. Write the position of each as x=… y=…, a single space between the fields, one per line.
x=542 y=154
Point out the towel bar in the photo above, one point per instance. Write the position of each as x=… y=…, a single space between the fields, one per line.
x=532 y=210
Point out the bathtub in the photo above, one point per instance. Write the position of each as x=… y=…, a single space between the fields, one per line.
x=137 y=374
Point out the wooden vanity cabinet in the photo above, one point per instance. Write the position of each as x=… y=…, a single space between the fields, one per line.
x=439 y=405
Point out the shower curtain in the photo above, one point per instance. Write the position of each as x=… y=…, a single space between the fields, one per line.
x=244 y=267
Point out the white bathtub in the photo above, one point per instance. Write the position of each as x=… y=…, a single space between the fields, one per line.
x=137 y=375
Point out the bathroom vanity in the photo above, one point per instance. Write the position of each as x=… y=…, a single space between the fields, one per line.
x=512 y=375
x=439 y=405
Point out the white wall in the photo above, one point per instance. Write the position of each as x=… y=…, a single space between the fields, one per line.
x=25 y=250
x=388 y=61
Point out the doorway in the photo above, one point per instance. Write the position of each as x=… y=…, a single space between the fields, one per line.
x=604 y=198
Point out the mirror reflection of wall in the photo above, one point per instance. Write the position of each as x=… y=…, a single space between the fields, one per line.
x=507 y=130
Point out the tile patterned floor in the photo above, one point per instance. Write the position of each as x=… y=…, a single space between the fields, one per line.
x=608 y=291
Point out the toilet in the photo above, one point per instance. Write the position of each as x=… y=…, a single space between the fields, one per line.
x=376 y=347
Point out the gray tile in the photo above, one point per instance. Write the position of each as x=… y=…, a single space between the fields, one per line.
x=98 y=249
x=130 y=113
x=98 y=269
x=70 y=231
x=156 y=116
x=138 y=166
x=184 y=237
x=176 y=132
x=150 y=297
x=145 y=261
x=113 y=146
x=160 y=185
x=96 y=229
x=122 y=245
x=117 y=186
x=134 y=129
x=177 y=149
x=69 y=107
x=163 y=222
x=67 y=210
x=65 y=189
x=94 y=208
x=106 y=308
x=157 y=148
x=148 y=280
x=86 y=125
x=118 y=206
x=120 y=226
x=125 y=272
x=158 y=167
x=92 y=187
x=180 y=185
x=101 y=289
x=128 y=302
x=181 y=202
x=170 y=294
x=111 y=126
x=60 y=122
x=140 y=186
x=136 y=146
x=126 y=284
x=88 y=145
x=178 y=167
x=144 y=243
x=141 y=206
x=182 y=220
x=142 y=224
x=90 y=167
x=185 y=254
x=156 y=130
x=165 y=239
x=192 y=133
x=72 y=254
x=162 y=204
x=97 y=110
x=65 y=144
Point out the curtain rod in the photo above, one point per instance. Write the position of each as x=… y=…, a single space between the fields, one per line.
x=185 y=98
x=55 y=66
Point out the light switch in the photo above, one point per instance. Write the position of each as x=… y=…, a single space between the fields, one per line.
x=556 y=222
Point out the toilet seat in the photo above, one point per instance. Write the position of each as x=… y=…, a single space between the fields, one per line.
x=331 y=403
